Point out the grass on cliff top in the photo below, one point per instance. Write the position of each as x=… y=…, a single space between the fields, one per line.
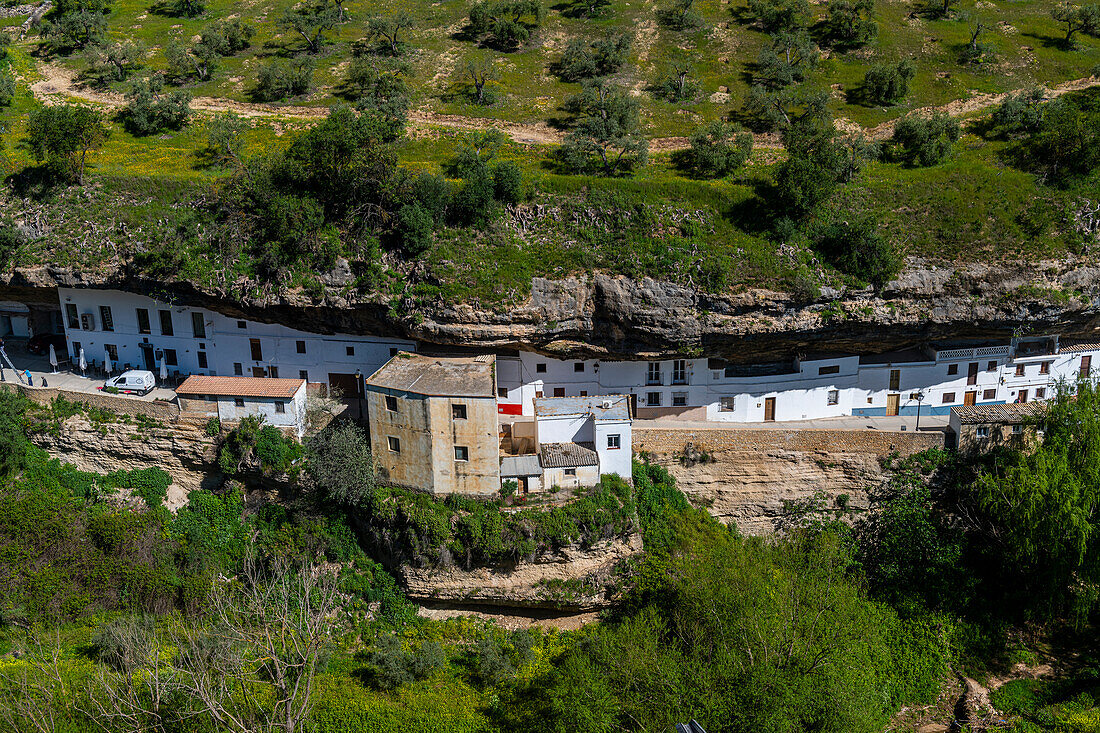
x=1024 y=38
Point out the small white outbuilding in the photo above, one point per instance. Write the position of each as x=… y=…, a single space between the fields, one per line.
x=282 y=402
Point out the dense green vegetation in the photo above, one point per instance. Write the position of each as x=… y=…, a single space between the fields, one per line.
x=832 y=626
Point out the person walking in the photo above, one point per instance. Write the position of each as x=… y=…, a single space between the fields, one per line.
x=30 y=379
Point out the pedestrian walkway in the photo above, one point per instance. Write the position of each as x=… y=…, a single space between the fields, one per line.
x=43 y=375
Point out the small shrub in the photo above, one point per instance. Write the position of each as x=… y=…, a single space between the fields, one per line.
x=507 y=183
x=719 y=149
x=857 y=248
x=279 y=80
x=213 y=427
x=889 y=83
x=925 y=141
x=7 y=86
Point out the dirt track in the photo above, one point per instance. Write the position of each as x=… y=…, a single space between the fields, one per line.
x=59 y=83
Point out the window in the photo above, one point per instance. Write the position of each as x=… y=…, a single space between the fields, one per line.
x=349 y=350
x=613 y=442
x=391 y=403
x=1086 y=365
x=991 y=366
x=726 y=404
x=1017 y=429
x=948 y=397
x=982 y=431
x=679 y=399
x=242 y=324
x=502 y=392
x=653 y=373
x=952 y=369
x=238 y=370
x=106 y=317
x=1019 y=370
x=166 y=323
x=198 y=324
x=559 y=391
x=578 y=366
x=303 y=374
x=584 y=393
x=989 y=394
x=1022 y=396
x=238 y=401
x=170 y=357
x=256 y=349
x=112 y=351
x=393 y=352
x=202 y=360
x=462 y=453
x=1041 y=393
x=273 y=372
x=653 y=399
x=76 y=350
x=679 y=371
x=300 y=347
x=540 y=368
x=1044 y=367
x=458 y=412
x=74 y=318
x=280 y=407
x=834 y=397
x=143 y=321
x=394 y=444
x=834 y=369
x=570 y=472
x=895 y=380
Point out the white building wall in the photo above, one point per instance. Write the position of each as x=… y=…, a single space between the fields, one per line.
x=226 y=346
x=617 y=461
x=564 y=429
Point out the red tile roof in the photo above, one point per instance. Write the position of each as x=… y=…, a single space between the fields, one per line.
x=1010 y=413
x=1078 y=347
x=240 y=386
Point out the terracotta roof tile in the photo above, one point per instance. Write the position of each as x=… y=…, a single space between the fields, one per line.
x=1013 y=412
x=568 y=455
x=240 y=386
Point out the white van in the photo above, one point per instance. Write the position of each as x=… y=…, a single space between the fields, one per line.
x=135 y=380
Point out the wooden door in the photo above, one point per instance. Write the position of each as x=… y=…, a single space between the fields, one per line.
x=970 y=398
x=258 y=372
x=769 y=409
x=892 y=403
x=633 y=405
x=972 y=375
x=1022 y=398
x=1086 y=365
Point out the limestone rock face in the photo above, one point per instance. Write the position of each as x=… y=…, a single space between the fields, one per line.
x=572 y=579
x=182 y=449
x=600 y=315
x=750 y=488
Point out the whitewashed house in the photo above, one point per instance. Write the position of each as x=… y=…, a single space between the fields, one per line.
x=580 y=439
x=142 y=333
x=281 y=402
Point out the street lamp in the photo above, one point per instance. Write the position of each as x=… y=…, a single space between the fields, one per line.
x=359 y=394
x=920 y=399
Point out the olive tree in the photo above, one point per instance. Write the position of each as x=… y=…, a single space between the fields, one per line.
x=605 y=138
x=341 y=465
x=64 y=134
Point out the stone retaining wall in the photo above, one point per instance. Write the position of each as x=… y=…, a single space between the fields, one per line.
x=164 y=411
x=878 y=442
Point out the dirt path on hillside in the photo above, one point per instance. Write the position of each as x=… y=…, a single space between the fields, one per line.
x=59 y=83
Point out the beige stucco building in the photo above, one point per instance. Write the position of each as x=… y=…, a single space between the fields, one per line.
x=984 y=427
x=433 y=423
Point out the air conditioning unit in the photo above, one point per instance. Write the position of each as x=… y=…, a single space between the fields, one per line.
x=87 y=322
x=606 y=404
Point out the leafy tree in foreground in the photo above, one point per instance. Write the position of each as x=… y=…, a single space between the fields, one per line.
x=381 y=89
x=63 y=135
x=1067 y=142
x=606 y=138
x=813 y=168
x=925 y=141
x=889 y=83
x=341 y=465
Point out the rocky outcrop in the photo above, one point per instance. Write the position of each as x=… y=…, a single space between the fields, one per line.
x=605 y=315
x=182 y=449
x=573 y=579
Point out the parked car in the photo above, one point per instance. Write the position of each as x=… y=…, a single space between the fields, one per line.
x=40 y=344
x=134 y=381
